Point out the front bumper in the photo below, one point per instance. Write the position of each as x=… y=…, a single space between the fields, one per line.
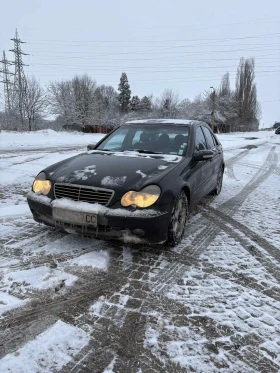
x=130 y=229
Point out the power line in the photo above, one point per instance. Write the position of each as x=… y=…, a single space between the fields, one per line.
x=43 y=41
x=155 y=68
x=178 y=80
x=192 y=53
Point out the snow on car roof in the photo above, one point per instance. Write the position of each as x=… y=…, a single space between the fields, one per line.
x=164 y=121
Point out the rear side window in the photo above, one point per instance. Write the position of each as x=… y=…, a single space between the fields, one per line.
x=209 y=138
x=200 y=142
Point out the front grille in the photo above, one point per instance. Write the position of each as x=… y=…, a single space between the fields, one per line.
x=83 y=193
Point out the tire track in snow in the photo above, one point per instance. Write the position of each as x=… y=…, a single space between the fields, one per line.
x=250 y=165
x=26 y=324
x=222 y=272
x=200 y=242
x=23 y=324
x=219 y=216
x=51 y=259
x=243 y=280
x=124 y=345
x=22 y=162
x=232 y=205
x=50 y=149
x=140 y=319
x=230 y=163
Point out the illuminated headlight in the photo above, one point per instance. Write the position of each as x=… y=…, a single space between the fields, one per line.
x=145 y=198
x=41 y=185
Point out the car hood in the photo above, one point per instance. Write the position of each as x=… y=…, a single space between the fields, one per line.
x=118 y=171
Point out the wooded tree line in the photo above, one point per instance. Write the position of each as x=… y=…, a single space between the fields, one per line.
x=80 y=103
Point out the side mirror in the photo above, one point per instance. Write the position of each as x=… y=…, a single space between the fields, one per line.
x=90 y=147
x=203 y=155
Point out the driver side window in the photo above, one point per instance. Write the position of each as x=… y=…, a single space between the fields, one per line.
x=200 y=142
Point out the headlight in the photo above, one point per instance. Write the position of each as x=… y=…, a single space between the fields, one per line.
x=41 y=185
x=145 y=198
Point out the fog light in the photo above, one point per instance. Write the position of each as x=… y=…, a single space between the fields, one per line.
x=138 y=232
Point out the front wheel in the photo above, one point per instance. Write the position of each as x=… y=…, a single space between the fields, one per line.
x=219 y=184
x=178 y=219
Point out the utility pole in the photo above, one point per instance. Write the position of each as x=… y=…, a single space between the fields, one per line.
x=19 y=80
x=7 y=82
x=213 y=108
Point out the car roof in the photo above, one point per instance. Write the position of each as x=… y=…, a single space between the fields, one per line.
x=182 y=122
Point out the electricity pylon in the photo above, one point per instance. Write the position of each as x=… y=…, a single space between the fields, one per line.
x=19 y=90
x=7 y=82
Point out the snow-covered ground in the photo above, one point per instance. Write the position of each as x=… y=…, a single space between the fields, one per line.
x=212 y=304
x=40 y=140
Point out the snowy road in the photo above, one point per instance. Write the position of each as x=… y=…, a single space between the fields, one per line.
x=212 y=304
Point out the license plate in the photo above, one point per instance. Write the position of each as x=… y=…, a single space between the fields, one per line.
x=74 y=217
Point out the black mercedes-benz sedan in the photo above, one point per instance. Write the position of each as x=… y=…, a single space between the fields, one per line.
x=138 y=184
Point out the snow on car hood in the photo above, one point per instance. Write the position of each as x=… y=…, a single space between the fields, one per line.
x=113 y=170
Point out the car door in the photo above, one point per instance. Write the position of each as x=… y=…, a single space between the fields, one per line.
x=199 y=173
x=215 y=163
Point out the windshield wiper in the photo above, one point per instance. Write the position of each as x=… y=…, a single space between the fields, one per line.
x=142 y=151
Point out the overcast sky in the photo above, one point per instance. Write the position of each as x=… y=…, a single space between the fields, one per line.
x=178 y=44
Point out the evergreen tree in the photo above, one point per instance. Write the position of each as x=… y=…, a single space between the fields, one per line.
x=125 y=93
x=135 y=103
x=145 y=104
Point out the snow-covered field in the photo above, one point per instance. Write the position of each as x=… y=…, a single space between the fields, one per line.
x=45 y=139
x=212 y=304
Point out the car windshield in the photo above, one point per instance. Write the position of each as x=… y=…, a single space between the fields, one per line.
x=162 y=139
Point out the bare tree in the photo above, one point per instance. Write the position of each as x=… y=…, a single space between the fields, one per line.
x=106 y=105
x=224 y=89
x=169 y=103
x=61 y=100
x=83 y=91
x=246 y=92
x=73 y=99
x=35 y=101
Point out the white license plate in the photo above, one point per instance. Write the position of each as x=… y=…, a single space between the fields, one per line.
x=74 y=217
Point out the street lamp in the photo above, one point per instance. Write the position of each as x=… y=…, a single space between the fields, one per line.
x=213 y=109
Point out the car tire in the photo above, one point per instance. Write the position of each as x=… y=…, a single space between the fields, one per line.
x=177 y=223
x=219 y=185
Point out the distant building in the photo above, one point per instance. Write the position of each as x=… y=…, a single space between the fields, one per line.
x=94 y=128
